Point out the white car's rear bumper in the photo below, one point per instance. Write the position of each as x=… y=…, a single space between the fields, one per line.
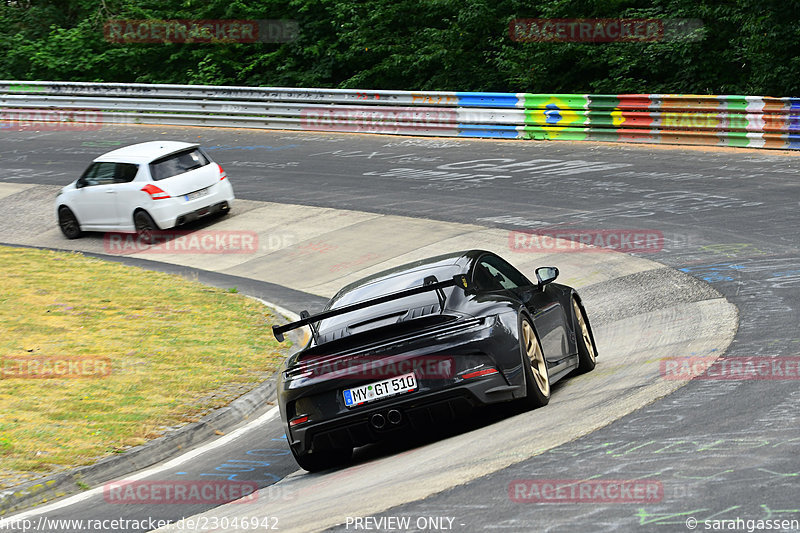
x=175 y=211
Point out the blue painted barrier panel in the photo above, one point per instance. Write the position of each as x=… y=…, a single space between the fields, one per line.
x=793 y=123
x=492 y=132
x=487 y=99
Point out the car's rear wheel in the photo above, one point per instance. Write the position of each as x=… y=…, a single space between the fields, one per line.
x=587 y=353
x=317 y=461
x=68 y=223
x=537 y=380
x=145 y=227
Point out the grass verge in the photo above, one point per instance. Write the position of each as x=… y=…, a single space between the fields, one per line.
x=148 y=351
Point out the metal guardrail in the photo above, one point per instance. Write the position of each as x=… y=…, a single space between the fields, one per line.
x=744 y=121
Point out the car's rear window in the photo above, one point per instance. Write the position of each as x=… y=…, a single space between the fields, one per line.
x=397 y=283
x=178 y=163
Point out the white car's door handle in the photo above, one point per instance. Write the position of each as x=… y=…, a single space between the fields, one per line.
x=110 y=191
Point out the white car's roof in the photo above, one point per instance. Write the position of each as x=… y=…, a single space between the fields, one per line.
x=144 y=153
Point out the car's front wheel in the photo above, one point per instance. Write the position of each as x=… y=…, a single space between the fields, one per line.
x=145 y=227
x=537 y=380
x=68 y=223
x=317 y=461
x=587 y=353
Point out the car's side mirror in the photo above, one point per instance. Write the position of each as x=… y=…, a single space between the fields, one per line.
x=546 y=275
x=81 y=183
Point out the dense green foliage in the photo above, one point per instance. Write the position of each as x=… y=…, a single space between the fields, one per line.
x=747 y=46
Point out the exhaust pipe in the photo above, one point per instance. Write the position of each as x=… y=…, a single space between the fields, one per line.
x=377 y=421
x=394 y=416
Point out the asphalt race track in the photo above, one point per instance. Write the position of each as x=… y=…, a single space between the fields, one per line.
x=718 y=449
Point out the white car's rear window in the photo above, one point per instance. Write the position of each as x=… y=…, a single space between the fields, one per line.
x=178 y=163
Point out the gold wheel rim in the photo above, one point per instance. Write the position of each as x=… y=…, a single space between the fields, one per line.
x=587 y=339
x=536 y=358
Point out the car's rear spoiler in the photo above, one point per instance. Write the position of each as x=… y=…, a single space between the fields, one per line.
x=429 y=284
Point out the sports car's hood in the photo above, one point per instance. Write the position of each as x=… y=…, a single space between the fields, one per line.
x=384 y=315
x=383 y=337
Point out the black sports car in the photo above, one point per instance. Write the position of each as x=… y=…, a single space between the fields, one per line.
x=426 y=342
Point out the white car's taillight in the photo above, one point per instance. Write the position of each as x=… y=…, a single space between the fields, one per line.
x=155 y=193
x=222 y=174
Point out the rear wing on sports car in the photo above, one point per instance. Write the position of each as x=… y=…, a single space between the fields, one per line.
x=429 y=284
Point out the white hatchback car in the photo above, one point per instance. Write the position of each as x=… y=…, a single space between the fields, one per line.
x=144 y=188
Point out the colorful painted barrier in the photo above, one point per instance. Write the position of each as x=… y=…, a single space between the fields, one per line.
x=740 y=121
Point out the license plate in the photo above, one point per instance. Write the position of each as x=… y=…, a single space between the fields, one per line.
x=196 y=194
x=380 y=389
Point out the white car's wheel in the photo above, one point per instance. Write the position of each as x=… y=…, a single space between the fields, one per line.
x=146 y=228
x=68 y=223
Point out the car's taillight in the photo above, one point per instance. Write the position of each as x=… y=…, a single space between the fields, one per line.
x=302 y=419
x=155 y=192
x=222 y=174
x=479 y=373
